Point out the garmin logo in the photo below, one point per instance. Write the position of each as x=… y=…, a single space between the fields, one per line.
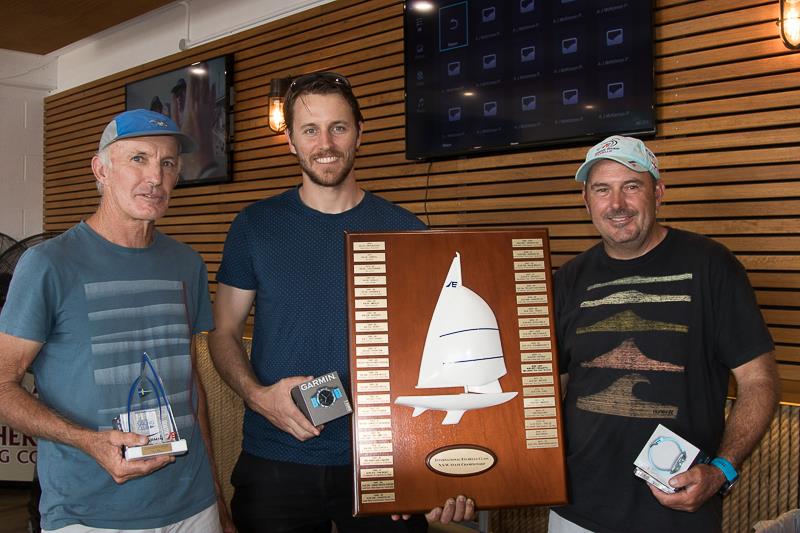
x=316 y=382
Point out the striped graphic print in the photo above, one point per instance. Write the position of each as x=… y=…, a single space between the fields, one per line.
x=127 y=318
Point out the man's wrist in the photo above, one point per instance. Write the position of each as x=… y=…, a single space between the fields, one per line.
x=729 y=472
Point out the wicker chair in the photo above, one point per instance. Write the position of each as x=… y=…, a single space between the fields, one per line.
x=225 y=411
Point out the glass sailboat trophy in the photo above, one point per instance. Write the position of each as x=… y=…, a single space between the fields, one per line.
x=462 y=349
x=154 y=419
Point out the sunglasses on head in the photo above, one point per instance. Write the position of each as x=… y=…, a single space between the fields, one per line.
x=308 y=79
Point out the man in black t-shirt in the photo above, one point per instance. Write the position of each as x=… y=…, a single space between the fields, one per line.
x=650 y=323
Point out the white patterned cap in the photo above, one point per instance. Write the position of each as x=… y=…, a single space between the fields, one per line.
x=628 y=151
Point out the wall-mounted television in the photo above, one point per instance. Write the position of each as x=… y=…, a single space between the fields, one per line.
x=484 y=75
x=197 y=98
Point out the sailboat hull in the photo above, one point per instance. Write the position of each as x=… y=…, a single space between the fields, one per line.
x=456 y=404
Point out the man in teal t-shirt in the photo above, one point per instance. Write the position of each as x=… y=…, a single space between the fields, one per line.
x=81 y=311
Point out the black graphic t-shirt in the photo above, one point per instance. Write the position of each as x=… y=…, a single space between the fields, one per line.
x=648 y=341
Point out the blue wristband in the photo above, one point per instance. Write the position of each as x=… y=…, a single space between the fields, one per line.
x=731 y=475
x=727 y=468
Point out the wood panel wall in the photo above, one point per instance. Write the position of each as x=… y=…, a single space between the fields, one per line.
x=728 y=98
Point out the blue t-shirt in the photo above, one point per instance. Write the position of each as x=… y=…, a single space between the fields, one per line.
x=97 y=306
x=294 y=257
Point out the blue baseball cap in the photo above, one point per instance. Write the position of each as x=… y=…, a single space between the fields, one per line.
x=144 y=123
x=628 y=151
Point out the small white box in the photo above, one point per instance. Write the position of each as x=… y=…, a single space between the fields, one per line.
x=665 y=455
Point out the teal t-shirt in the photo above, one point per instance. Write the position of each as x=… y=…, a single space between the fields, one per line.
x=97 y=306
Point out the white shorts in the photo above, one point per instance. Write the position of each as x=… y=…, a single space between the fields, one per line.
x=206 y=521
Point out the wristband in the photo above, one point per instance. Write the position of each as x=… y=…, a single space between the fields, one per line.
x=731 y=475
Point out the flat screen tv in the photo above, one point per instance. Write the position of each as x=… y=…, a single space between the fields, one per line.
x=197 y=98
x=484 y=75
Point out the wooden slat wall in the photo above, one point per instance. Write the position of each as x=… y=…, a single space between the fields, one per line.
x=728 y=140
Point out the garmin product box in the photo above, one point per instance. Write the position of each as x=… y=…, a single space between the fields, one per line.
x=665 y=455
x=322 y=399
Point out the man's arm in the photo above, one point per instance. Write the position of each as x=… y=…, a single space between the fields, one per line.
x=750 y=416
x=21 y=410
x=205 y=430
x=753 y=410
x=273 y=402
x=564 y=379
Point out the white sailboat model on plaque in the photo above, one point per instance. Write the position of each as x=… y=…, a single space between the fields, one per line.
x=462 y=349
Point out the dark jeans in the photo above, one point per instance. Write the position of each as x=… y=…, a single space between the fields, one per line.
x=273 y=496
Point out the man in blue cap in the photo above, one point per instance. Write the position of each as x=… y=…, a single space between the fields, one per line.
x=82 y=310
x=650 y=323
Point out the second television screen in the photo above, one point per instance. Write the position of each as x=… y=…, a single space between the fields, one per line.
x=498 y=74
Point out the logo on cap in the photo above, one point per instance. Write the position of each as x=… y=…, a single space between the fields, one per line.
x=606 y=147
x=159 y=123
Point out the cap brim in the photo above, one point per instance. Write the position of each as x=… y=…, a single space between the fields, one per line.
x=583 y=171
x=187 y=144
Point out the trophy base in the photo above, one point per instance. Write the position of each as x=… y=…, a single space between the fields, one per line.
x=176 y=447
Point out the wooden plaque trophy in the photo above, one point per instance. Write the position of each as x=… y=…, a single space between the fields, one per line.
x=455 y=384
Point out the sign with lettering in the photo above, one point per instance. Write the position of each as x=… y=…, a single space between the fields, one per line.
x=17 y=450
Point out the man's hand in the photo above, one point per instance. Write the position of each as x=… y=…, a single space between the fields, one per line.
x=275 y=404
x=105 y=447
x=225 y=519
x=699 y=483
x=454 y=510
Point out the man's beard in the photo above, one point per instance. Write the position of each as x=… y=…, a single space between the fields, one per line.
x=347 y=158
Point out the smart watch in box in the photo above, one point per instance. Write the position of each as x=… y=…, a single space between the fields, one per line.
x=322 y=399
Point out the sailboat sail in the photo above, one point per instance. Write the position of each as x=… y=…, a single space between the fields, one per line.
x=462 y=349
x=463 y=344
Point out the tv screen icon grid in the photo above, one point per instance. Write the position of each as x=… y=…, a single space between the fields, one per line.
x=453 y=26
x=527 y=103
x=527 y=54
x=454 y=114
x=569 y=46
x=615 y=37
x=454 y=68
x=527 y=6
x=570 y=97
x=615 y=90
